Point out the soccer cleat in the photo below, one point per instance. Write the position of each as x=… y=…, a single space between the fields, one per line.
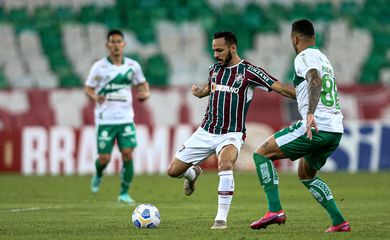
x=219 y=224
x=125 y=198
x=343 y=227
x=95 y=183
x=270 y=218
x=189 y=186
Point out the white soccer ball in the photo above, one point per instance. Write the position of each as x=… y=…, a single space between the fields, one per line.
x=146 y=216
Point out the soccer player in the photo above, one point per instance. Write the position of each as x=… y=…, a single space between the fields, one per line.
x=312 y=139
x=230 y=88
x=109 y=84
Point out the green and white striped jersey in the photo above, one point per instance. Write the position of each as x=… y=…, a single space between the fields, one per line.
x=115 y=82
x=328 y=114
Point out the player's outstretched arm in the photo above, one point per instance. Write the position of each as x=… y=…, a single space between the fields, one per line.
x=90 y=91
x=285 y=90
x=143 y=91
x=201 y=91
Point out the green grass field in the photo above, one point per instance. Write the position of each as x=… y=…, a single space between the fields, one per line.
x=63 y=208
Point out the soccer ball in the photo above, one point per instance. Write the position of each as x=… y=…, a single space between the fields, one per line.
x=146 y=216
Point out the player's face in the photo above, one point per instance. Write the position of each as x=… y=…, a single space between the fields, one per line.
x=294 y=41
x=222 y=52
x=115 y=45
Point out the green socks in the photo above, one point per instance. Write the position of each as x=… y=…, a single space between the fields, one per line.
x=99 y=168
x=269 y=179
x=323 y=195
x=126 y=176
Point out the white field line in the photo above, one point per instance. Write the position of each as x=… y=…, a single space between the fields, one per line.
x=31 y=209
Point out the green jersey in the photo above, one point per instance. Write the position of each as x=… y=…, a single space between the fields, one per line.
x=327 y=115
x=114 y=82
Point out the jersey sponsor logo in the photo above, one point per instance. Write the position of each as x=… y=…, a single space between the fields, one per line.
x=224 y=88
x=259 y=73
x=116 y=86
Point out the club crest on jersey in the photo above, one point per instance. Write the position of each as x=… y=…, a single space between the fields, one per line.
x=239 y=78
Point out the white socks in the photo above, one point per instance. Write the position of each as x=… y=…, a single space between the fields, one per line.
x=225 y=194
x=190 y=174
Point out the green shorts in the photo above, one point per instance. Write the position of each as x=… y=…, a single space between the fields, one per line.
x=294 y=144
x=123 y=133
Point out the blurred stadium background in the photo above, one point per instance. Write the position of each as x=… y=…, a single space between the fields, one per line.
x=48 y=46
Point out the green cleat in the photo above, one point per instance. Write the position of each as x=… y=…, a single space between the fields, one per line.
x=95 y=183
x=125 y=198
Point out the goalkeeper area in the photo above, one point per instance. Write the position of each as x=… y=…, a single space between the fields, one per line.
x=63 y=208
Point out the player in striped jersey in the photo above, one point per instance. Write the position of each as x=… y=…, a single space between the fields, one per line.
x=230 y=88
x=313 y=139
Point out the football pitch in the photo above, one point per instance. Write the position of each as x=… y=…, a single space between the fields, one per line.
x=63 y=208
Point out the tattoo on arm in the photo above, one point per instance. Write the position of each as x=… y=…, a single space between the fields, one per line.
x=314 y=89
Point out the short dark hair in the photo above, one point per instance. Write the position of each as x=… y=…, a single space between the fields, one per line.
x=113 y=32
x=304 y=27
x=230 y=37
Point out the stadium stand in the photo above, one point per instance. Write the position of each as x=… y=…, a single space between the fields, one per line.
x=166 y=33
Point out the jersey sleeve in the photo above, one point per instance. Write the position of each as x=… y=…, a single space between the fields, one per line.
x=260 y=78
x=139 y=76
x=94 y=76
x=304 y=62
x=211 y=71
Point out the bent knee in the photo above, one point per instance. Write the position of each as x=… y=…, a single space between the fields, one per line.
x=225 y=166
x=172 y=173
x=104 y=159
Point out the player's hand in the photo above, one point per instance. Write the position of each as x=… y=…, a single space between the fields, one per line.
x=143 y=95
x=100 y=99
x=310 y=122
x=195 y=90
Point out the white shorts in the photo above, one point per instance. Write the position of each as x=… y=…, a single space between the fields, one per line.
x=202 y=144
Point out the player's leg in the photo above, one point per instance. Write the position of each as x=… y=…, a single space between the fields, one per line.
x=269 y=180
x=319 y=189
x=187 y=159
x=100 y=164
x=190 y=172
x=290 y=143
x=178 y=169
x=226 y=159
x=105 y=141
x=126 y=136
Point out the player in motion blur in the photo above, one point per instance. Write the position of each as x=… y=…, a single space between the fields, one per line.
x=312 y=139
x=230 y=88
x=109 y=84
